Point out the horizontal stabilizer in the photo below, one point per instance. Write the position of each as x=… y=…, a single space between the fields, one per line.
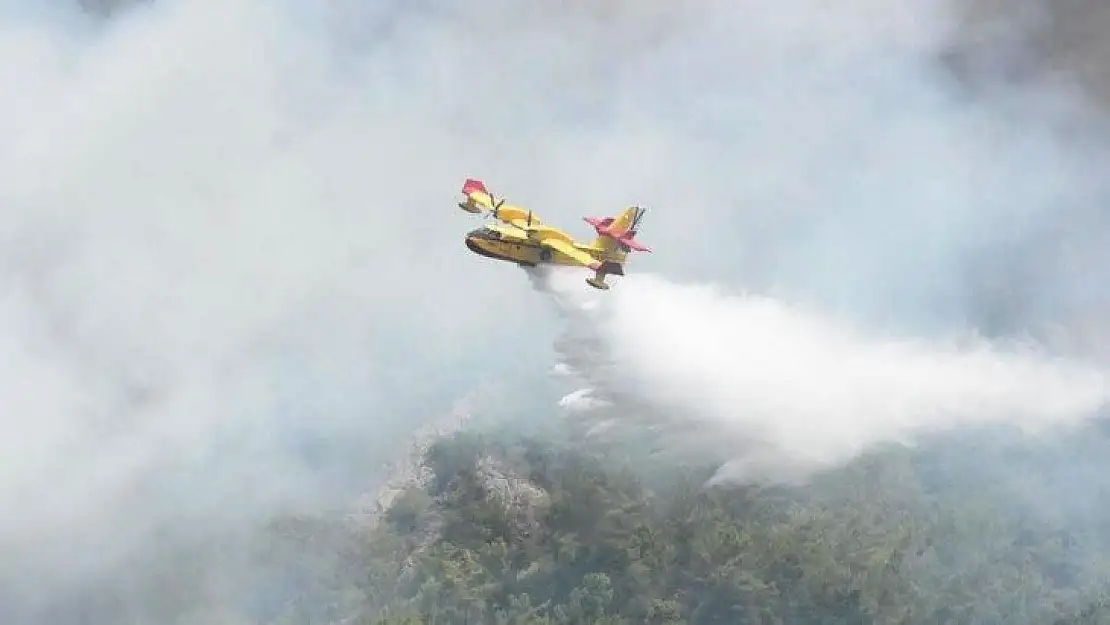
x=601 y=224
x=633 y=244
x=619 y=231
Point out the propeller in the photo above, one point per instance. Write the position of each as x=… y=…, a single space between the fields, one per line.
x=638 y=218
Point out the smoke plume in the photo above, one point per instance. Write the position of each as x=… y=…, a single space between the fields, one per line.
x=782 y=391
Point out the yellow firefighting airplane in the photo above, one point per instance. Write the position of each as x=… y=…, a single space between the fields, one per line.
x=522 y=238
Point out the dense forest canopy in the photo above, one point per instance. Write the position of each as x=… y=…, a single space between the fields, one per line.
x=530 y=531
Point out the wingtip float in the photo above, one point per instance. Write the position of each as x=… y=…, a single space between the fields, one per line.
x=523 y=238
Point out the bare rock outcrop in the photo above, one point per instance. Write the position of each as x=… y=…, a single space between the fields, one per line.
x=521 y=500
x=410 y=469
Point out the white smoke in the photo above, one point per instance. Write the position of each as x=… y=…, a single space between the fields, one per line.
x=582 y=400
x=783 y=391
x=233 y=274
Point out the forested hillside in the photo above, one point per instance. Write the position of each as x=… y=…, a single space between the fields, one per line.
x=530 y=533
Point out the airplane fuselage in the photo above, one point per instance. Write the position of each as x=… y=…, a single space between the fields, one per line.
x=511 y=244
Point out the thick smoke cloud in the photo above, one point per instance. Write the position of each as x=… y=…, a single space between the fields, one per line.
x=230 y=286
x=781 y=392
x=908 y=206
x=233 y=273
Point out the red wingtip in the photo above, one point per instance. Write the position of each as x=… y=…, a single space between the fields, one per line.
x=634 y=244
x=601 y=224
x=472 y=186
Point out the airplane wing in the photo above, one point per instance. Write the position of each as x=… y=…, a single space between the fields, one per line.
x=570 y=251
x=520 y=217
x=479 y=199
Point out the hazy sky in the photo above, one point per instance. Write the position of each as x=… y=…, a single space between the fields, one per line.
x=231 y=247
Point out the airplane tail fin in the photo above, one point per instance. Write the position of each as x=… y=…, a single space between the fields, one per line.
x=616 y=236
x=619 y=233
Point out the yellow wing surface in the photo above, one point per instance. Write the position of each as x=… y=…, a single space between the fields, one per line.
x=479 y=199
x=517 y=216
x=567 y=249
